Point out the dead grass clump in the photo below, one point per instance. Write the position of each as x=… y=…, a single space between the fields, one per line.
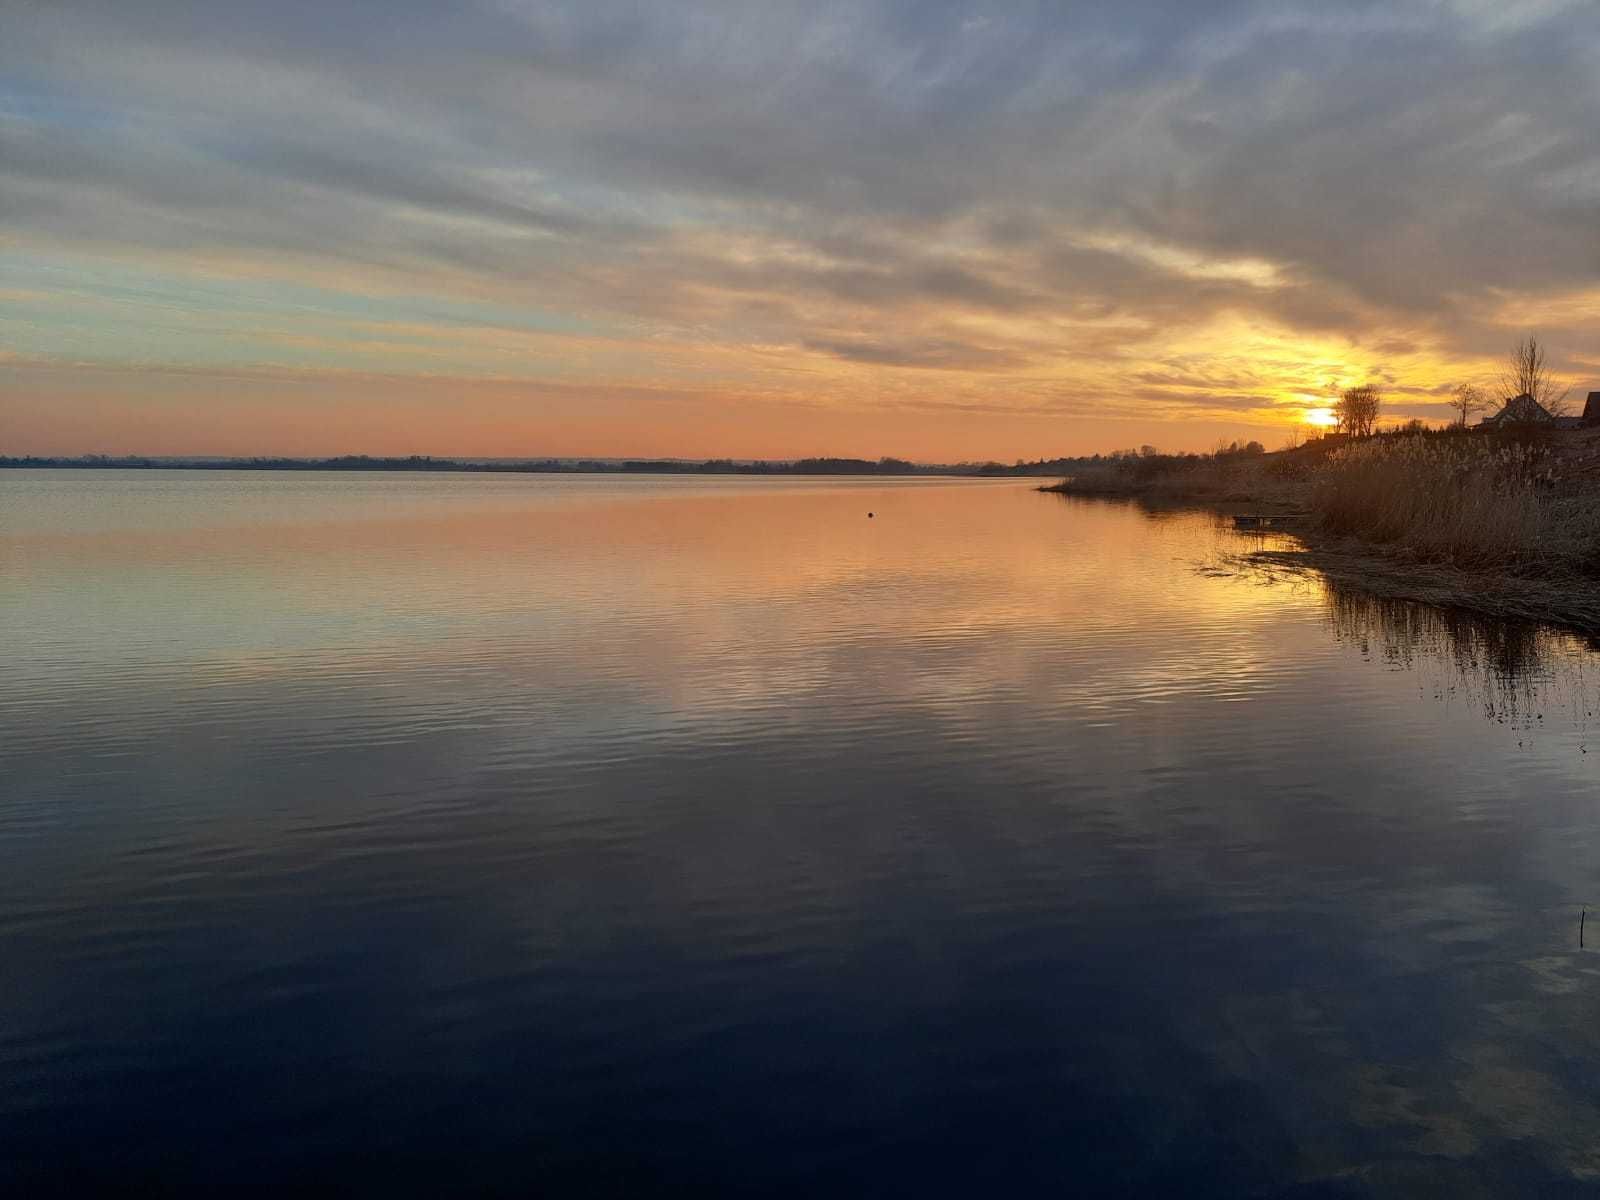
x=1471 y=502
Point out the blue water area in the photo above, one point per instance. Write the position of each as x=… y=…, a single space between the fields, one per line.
x=433 y=834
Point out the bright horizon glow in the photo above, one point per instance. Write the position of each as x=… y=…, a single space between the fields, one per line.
x=517 y=230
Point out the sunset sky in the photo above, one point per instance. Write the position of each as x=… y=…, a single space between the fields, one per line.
x=942 y=231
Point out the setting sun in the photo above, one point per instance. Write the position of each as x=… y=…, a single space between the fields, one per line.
x=1323 y=418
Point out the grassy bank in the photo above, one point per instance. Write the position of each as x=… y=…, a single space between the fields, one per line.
x=1501 y=523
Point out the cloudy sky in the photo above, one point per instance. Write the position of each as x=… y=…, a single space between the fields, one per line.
x=934 y=229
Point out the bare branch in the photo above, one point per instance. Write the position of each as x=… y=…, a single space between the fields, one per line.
x=1528 y=374
x=1468 y=399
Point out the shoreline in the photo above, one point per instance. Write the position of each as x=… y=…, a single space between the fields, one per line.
x=1547 y=595
x=420 y=463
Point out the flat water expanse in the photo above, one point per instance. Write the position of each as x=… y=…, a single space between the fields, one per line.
x=442 y=834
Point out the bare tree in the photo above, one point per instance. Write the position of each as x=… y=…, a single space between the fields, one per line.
x=1357 y=410
x=1527 y=374
x=1468 y=399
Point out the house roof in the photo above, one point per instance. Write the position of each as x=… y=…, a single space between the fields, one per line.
x=1591 y=408
x=1519 y=410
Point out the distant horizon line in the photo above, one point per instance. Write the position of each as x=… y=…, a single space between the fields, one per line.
x=517 y=459
x=885 y=465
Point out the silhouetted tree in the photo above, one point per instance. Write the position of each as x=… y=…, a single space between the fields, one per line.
x=1467 y=400
x=1357 y=410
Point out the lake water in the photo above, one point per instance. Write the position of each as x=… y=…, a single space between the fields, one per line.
x=445 y=834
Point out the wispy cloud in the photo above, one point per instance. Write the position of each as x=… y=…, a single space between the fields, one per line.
x=1159 y=211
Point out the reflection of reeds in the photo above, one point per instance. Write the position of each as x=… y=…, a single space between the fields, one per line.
x=1397 y=629
x=1503 y=663
x=1516 y=668
x=1519 y=672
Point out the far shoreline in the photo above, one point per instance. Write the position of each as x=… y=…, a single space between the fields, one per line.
x=426 y=464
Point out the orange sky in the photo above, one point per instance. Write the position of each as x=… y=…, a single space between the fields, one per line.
x=527 y=230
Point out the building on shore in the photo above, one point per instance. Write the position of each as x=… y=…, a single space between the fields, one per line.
x=1519 y=410
x=1525 y=410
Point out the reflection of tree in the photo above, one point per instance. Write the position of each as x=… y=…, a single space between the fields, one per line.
x=1516 y=669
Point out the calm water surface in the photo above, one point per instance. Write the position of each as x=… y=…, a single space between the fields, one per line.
x=534 y=835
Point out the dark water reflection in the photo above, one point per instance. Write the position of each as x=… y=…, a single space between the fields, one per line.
x=1513 y=669
x=600 y=836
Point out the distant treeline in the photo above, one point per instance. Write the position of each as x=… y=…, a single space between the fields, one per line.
x=558 y=466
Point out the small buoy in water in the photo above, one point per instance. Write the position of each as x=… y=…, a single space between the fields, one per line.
x=869 y=516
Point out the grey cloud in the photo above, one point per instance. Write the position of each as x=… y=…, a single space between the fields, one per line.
x=1399 y=161
x=917 y=352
